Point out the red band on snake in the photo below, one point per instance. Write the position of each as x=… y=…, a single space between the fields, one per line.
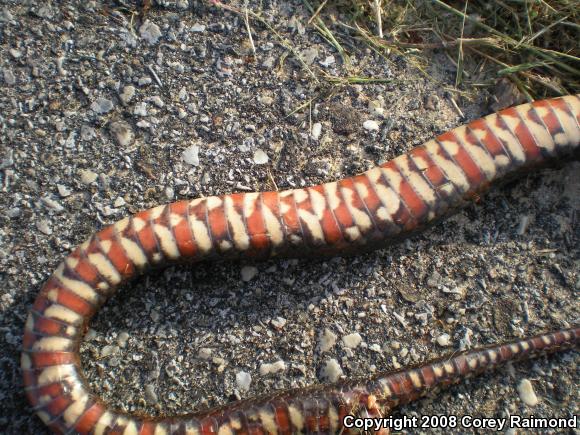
x=373 y=209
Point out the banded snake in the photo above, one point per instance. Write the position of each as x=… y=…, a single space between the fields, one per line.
x=382 y=205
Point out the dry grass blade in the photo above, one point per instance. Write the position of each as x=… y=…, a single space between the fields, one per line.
x=534 y=43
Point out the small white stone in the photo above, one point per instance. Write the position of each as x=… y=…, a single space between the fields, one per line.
x=102 y=105
x=51 y=203
x=243 y=381
x=198 y=28
x=316 y=130
x=352 y=341
x=156 y=99
x=278 y=322
x=150 y=394
x=190 y=155
x=127 y=95
x=527 y=393
x=249 y=272
x=88 y=132
x=119 y=202
x=260 y=157
x=109 y=350
x=332 y=371
x=9 y=77
x=276 y=367
x=329 y=60
x=122 y=132
x=326 y=340
x=204 y=353
x=88 y=176
x=144 y=81
x=140 y=109
x=376 y=108
x=63 y=190
x=150 y=32
x=371 y=125
x=375 y=347
x=44 y=227
x=444 y=340
x=122 y=339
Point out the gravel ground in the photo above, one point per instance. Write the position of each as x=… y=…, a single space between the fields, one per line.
x=103 y=114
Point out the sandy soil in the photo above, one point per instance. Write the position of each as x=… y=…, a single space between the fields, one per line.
x=101 y=117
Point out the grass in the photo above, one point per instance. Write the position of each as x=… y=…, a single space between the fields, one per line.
x=533 y=43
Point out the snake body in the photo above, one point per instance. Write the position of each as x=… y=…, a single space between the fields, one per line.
x=372 y=209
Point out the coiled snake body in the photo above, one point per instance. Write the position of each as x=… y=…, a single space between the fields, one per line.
x=372 y=209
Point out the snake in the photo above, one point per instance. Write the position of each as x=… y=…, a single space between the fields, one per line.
x=374 y=209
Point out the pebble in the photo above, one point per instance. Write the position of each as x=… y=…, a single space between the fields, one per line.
x=309 y=55
x=326 y=340
x=6 y=16
x=119 y=202
x=278 y=322
x=523 y=225
x=88 y=176
x=122 y=339
x=127 y=95
x=266 y=100
x=316 y=130
x=352 y=341
x=144 y=81
x=444 y=340
x=150 y=32
x=156 y=99
x=150 y=394
x=371 y=125
x=269 y=62
x=249 y=272
x=376 y=108
x=88 y=132
x=190 y=155
x=140 y=109
x=332 y=371
x=51 y=203
x=122 y=133
x=9 y=77
x=102 y=105
x=63 y=190
x=13 y=212
x=431 y=102
x=260 y=157
x=204 y=353
x=198 y=28
x=328 y=61
x=527 y=393
x=243 y=381
x=272 y=368
x=44 y=227
x=109 y=350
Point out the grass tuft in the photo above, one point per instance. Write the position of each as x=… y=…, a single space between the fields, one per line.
x=533 y=43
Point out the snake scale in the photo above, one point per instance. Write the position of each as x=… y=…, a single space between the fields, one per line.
x=369 y=210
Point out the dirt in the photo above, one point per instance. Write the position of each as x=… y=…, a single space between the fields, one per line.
x=77 y=152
